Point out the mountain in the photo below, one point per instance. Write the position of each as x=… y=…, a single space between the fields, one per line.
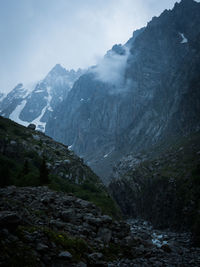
x=47 y=217
x=36 y=104
x=30 y=158
x=140 y=94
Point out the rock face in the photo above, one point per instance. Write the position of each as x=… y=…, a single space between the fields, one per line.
x=36 y=104
x=162 y=189
x=156 y=97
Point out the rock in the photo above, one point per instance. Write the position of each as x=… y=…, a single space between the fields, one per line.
x=58 y=224
x=84 y=204
x=41 y=247
x=65 y=255
x=32 y=126
x=106 y=219
x=68 y=215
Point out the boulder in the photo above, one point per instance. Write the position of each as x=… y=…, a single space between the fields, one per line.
x=65 y=255
x=32 y=126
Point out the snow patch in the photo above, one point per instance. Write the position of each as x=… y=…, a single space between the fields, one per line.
x=38 y=91
x=184 y=39
x=70 y=147
x=106 y=155
x=15 y=114
x=50 y=109
x=41 y=125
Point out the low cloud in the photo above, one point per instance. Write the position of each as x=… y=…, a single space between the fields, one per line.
x=111 y=68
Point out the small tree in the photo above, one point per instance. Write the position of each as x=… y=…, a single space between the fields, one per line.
x=44 y=173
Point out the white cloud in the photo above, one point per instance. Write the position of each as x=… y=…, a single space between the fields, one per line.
x=111 y=68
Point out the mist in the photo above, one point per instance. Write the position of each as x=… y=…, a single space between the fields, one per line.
x=111 y=68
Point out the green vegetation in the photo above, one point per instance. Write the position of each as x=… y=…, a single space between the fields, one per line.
x=76 y=246
x=22 y=165
x=90 y=192
x=169 y=186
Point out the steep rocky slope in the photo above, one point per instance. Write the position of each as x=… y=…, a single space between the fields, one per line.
x=162 y=189
x=30 y=158
x=141 y=93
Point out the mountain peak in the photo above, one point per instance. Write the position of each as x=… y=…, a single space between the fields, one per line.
x=58 y=70
x=187 y=3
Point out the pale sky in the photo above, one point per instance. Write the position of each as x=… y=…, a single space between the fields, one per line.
x=37 y=34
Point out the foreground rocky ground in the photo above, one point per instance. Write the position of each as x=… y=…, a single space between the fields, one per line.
x=40 y=227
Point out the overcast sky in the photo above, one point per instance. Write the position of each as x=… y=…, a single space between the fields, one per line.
x=37 y=34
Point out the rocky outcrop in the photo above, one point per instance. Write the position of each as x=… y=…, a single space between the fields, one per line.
x=107 y=116
x=40 y=227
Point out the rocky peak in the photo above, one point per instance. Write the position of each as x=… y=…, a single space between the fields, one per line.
x=57 y=70
x=159 y=81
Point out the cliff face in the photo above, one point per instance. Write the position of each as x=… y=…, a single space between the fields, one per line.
x=163 y=189
x=155 y=96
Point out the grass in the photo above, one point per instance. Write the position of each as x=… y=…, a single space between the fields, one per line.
x=22 y=167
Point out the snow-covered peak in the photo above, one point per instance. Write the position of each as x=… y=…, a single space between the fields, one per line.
x=184 y=39
x=18 y=92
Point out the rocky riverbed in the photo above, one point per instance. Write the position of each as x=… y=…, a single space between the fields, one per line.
x=41 y=227
x=170 y=248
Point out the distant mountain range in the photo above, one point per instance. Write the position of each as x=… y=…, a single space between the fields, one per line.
x=35 y=104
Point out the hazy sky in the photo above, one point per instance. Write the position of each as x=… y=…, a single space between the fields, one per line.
x=37 y=34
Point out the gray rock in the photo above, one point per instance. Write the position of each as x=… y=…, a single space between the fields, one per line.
x=41 y=247
x=65 y=255
x=68 y=215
